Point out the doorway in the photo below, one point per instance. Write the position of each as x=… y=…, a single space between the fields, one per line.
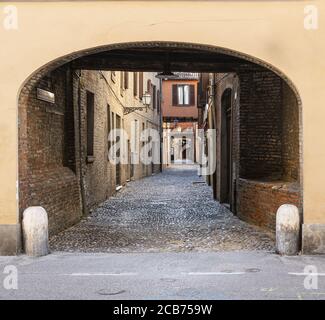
x=226 y=147
x=118 y=154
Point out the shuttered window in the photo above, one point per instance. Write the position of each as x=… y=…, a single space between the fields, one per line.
x=109 y=126
x=121 y=82
x=126 y=80
x=183 y=95
x=149 y=86
x=140 y=85
x=135 y=84
x=90 y=123
x=154 y=97
x=158 y=101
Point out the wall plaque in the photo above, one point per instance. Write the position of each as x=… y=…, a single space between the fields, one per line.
x=45 y=95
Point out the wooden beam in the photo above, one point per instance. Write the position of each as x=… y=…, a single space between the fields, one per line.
x=152 y=66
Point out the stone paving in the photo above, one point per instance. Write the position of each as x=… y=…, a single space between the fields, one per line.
x=173 y=211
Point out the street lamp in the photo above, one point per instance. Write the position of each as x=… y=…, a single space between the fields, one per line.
x=146 y=99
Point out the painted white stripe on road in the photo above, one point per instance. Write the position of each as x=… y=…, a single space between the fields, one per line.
x=306 y=274
x=212 y=273
x=100 y=274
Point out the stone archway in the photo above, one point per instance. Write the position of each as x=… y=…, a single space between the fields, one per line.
x=125 y=56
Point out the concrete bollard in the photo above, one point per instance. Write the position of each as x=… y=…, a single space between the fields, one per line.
x=35 y=231
x=287 y=230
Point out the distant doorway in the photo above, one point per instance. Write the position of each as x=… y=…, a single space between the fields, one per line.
x=184 y=148
x=118 y=154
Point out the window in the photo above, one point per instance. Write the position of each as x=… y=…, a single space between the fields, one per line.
x=149 y=85
x=135 y=136
x=183 y=95
x=113 y=76
x=154 y=97
x=90 y=123
x=135 y=84
x=142 y=145
x=109 y=126
x=126 y=80
x=121 y=82
x=140 y=85
x=158 y=101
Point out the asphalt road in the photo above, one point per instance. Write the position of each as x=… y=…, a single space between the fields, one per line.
x=197 y=275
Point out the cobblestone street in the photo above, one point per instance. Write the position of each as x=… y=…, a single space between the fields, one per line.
x=170 y=212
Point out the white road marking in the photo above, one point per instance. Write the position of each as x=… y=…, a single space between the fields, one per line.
x=307 y=274
x=212 y=273
x=101 y=274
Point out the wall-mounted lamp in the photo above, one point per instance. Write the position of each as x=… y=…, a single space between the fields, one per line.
x=146 y=100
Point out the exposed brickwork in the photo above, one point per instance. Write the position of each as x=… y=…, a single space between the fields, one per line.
x=259 y=201
x=265 y=145
x=290 y=130
x=260 y=125
x=54 y=170
x=97 y=174
x=44 y=176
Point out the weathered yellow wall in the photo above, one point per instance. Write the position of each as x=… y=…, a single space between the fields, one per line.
x=272 y=31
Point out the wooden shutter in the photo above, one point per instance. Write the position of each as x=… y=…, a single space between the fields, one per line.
x=175 y=96
x=108 y=126
x=121 y=80
x=158 y=101
x=149 y=86
x=135 y=84
x=90 y=123
x=154 y=97
x=126 y=80
x=140 y=85
x=192 y=95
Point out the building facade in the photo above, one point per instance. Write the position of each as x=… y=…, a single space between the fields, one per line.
x=67 y=156
x=257 y=143
x=180 y=116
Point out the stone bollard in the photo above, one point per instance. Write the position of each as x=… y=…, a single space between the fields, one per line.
x=287 y=230
x=35 y=231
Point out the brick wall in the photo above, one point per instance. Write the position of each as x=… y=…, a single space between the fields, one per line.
x=260 y=125
x=99 y=174
x=259 y=201
x=265 y=150
x=54 y=170
x=45 y=176
x=290 y=132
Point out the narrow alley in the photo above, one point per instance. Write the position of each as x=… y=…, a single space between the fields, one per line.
x=173 y=211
